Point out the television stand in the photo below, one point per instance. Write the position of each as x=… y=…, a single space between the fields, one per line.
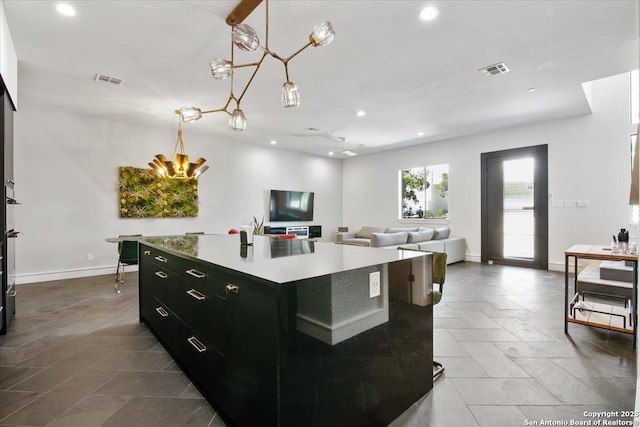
x=301 y=231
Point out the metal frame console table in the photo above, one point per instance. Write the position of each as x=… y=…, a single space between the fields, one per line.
x=598 y=252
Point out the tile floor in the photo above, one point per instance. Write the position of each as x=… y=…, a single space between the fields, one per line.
x=76 y=355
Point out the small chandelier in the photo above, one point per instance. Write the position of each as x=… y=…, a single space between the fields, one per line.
x=245 y=38
x=180 y=167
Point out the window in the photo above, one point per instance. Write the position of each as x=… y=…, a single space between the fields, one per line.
x=424 y=192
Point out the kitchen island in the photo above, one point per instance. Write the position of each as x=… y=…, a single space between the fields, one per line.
x=290 y=332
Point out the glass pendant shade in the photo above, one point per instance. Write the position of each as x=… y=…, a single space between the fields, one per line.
x=190 y=114
x=290 y=96
x=238 y=121
x=245 y=37
x=322 y=34
x=220 y=68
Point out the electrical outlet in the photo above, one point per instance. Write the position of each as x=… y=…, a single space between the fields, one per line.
x=90 y=257
x=374 y=284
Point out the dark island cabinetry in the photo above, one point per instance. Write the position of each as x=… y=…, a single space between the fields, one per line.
x=217 y=327
x=287 y=332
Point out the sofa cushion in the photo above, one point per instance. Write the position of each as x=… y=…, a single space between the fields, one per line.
x=354 y=241
x=365 y=232
x=420 y=236
x=399 y=230
x=441 y=233
x=387 y=239
x=421 y=229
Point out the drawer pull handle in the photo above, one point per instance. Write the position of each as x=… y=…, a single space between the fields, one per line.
x=161 y=274
x=161 y=259
x=197 y=295
x=162 y=312
x=147 y=252
x=197 y=344
x=232 y=289
x=195 y=273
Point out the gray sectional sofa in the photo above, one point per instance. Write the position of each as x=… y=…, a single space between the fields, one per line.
x=422 y=238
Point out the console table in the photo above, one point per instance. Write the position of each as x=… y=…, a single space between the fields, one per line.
x=595 y=314
x=290 y=332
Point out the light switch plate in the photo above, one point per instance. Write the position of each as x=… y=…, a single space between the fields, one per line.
x=374 y=284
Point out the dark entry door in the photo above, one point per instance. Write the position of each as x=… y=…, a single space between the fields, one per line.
x=515 y=207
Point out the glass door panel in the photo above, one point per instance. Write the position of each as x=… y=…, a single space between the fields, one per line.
x=518 y=208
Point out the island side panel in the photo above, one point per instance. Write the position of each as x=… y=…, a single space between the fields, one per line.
x=365 y=375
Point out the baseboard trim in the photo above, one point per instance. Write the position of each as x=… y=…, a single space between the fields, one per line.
x=472 y=258
x=553 y=266
x=49 y=276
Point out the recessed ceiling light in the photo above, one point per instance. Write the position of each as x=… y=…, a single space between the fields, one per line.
x=420 y=133
x=273 y=142
x=532 y=89
x=331 y=153
x=65 y=9
x=429 y=13
x=361 y=113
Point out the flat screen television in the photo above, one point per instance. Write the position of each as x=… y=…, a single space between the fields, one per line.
x=291 y=206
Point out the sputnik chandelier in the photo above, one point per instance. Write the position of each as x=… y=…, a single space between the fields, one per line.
x=180 y=167
x=245 y=38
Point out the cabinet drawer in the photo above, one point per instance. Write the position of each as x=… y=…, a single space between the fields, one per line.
x=158 y=281
x=200 y=274
x=163 y=321
x=159 y=258
x=204 y=363
x=205 y=312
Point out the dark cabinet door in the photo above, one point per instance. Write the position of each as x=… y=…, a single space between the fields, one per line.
x=252 y=351
x=204 y=363
x=163 y=321
x=205 y=312
x=7 y=276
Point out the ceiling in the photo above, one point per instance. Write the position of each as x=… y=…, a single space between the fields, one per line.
x=409 y=76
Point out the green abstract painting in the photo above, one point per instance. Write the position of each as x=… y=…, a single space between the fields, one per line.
x=143 y=194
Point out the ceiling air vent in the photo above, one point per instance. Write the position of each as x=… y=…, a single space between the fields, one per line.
x=492 y=70
x=107 y=79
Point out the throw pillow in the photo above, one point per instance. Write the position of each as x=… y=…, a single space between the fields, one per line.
x=420 y=236
x=379 y=240
x=441 y=233
x=365 y=232
x=399 y=230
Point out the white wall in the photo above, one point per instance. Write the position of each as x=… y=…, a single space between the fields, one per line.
x=589 y=159
x=8 y=59
x=66 y=172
